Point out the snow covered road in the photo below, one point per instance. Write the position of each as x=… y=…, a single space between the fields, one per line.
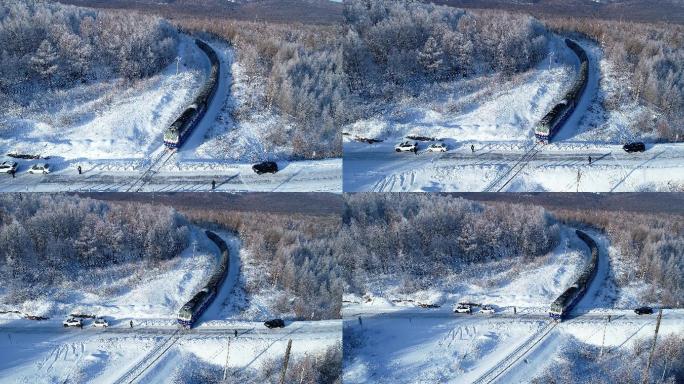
x=554 y=168
x=196 y=176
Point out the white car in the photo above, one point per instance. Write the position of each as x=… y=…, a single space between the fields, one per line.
x=8 y=167
x=437 y=147
x=487 y=309
x=406 y=146
x=43 y=168
x=73 y=322
x=100 y=323
x=463 y=308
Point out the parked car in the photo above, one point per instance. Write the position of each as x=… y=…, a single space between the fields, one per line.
x=634 y=147
x=643 y=311
x=487 y=309
x=100 y=323
x=72 y=322
x=265 y=167
x=275 y=323
x=437 y=147
x=406 y=146
x=8 y=167
x=43 y=168
x=463 y=308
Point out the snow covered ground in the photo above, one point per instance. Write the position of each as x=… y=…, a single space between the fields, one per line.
x=154 y=350
x=108 y=121
x=498 y=121
x=389 y=341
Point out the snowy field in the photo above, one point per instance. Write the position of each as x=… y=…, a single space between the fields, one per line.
x=390 y=338
x=498 y=121
x=426 y=347
x=154 y=350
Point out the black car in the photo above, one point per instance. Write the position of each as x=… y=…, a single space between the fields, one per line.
x=275 y=323
x=634 y=147
x=643 y=311
x=265 y=167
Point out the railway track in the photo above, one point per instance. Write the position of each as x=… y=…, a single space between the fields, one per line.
x=504 y=365
x=150 y=359
x=153 y=169
x=502 y=181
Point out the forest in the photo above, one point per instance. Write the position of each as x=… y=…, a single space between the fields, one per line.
x=650 y=246
x=294 y=253
x=394 y=46
x=418 y=237
x=299 y=69
x=48 y=240
x=650 y=59
x=49 y=45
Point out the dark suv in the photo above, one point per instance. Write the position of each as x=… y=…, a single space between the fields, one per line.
x=634 y=147
x=643 y=311
x=275 y=323
x=265 y=167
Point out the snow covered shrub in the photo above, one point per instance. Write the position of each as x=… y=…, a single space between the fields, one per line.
x=49 y=44
x=418 y=237
x=407 y=43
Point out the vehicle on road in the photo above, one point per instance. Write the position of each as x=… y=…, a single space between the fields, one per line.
x=487 y=309
x=72 y=322
x=265 y=167
x=643 y=311
x=463 y=308
x=8 y=167
x=275 y=323
x=43 y=168
x=634 y=147
x=100 y=323
x=406 y=146
x=437 y=147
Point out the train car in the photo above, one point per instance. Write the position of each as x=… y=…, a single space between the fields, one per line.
x=181 y=128
x=552 y=122
x=568 y=299
x=193 y=309
x=175 y=135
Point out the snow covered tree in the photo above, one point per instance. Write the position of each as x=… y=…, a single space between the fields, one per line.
x=431 y=57
x=44 y=61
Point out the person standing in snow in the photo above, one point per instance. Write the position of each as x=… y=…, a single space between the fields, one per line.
x=213 y=185
x=131 y=323
x=589 y=160
x=79 y=170
x=236 y=333
x=472 y=148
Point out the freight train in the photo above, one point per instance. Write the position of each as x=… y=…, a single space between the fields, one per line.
x=175 y=135
x=552 y=122
x=193 y=309
x=568 y=299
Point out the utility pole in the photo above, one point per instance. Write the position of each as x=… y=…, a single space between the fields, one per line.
x=655 y=339
x=225 y=368
x=603 y=341
x=287 y=359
